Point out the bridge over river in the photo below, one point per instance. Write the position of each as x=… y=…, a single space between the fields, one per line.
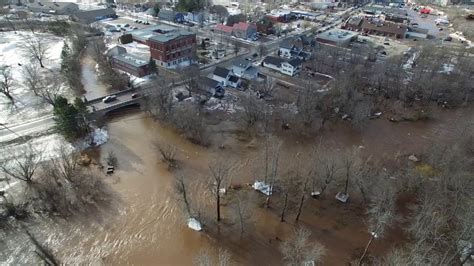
x=124 y=98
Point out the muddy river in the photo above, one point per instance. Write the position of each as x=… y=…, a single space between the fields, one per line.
x=148 y=226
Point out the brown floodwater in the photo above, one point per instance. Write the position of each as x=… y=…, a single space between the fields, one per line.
x=92 y=86
x=149 y=226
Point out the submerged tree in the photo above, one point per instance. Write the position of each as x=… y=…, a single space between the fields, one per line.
x=381 y=215
x=220 y=172
x=299 y=250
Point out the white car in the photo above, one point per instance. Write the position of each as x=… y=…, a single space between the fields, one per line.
x=109 y=99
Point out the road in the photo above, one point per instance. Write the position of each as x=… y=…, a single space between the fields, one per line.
x=9 y=132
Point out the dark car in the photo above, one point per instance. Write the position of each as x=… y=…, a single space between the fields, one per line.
x=135 y=95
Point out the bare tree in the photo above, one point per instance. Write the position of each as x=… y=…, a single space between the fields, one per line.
x=299 y=250
x=65 y=164
x=273 y=170
x=302 y=190
x=381 y=214
x=325 y=170
x=220 y=172
x=22 y=163
x=6 y=82
x=204 y=258
x=287 y=186
x=168 y=154
x=241 y=210
x=265 y=88
x=51 y=89
x=36 y=48
x=253 y=109
x=32 y=78
x=159 y=100
x=181 y=189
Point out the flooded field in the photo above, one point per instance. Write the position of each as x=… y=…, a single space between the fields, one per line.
x=149 y=226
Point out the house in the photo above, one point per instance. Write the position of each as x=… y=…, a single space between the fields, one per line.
x=290 y=68
x=234 y=81
x=211 y=87
x=241 y=30
x=221 y=75
x=56 y=8
x=280 y=16
x=244 y=69
x=90 y=16
x=244 y=30
x=240 y=66
x=170 y=15
x=293 y=49
x=131 y=64
x=337 y=37
x=223 y=29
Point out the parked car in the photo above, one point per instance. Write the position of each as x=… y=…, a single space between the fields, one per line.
x=135 y=95
x=109 y=99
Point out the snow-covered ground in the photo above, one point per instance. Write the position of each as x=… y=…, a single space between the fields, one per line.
x=27 y=106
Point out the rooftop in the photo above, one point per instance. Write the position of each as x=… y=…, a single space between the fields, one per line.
x=295 y=62
x=208 y=82
x=131 y=60
x=166 y=33
x=277 y=61
x=383 y=26
x=241 y=63
x=243 y=25
x=337 y=35
x=224 y=28
x=169 y=36
x=221 y=72
x=51 y=5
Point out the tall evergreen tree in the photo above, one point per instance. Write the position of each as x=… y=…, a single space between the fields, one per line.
x=152 y=66
x=69 y=118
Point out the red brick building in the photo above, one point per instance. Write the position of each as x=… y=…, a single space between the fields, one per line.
x=173 y=49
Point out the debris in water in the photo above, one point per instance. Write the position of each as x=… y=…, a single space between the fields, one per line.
x=342 y=197
x=413 y=158
x=194 y=224
x=262 y=187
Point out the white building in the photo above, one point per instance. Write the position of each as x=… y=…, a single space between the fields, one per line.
x=290 y=68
